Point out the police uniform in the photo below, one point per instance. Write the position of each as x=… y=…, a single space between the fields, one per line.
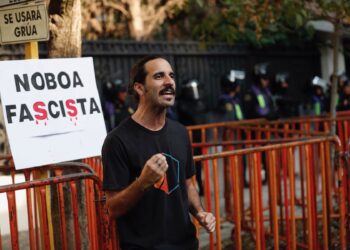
x=344 y=95
x=230 y=107
x=229 y=104
x=318 y=98
x=258 y=100
x=191 y=110
x=285 y=105
x=122 y=111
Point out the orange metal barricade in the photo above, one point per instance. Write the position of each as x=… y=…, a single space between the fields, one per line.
x=288 y=212
x=112 y=241
x=40 y=232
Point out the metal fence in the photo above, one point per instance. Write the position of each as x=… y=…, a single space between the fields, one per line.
x=205 y=62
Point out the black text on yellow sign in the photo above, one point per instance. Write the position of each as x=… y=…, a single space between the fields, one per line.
x=23 y=24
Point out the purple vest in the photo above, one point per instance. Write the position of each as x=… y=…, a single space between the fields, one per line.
x=262 y=108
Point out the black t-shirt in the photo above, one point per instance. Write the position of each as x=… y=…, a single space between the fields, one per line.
x=160 y=219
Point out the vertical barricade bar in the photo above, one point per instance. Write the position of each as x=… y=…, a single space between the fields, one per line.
x=314 y=178
x=37 y=230
x=63 y=224
x=207 y=193
x=260 y=202
x=30 y=212
x=62 y=218
x=237 y=215
x=228 y=136
x=195 y=222
x=273 y=197
x=347 y=135
x=73 y=188
x=325 y=213
x=44 y=222
x=217 y=204
x=291 y=169
x=330 y=176
x=91 y=213
x=302 y=161
x=279 y=172
x=284 y=168
x=251 y=166
x=310 y=224
x=342 y=218
x=341 y=135
x=13 y=219
x=255 y=194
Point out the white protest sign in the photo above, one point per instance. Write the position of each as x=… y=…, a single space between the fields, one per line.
x=52 y=110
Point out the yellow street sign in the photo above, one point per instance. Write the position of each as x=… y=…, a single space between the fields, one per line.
x=22 y=24
x=4 y=3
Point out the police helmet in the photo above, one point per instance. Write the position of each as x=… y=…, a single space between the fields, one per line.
x=343 y=80
x=282 y=77
x=318 y=82
x=261 y=70
x=190 y=90
x=108 y=90
x=230 y=81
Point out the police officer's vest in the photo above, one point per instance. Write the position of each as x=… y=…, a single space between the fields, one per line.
x=263 y=100
x=318 y=105
x=232 y=105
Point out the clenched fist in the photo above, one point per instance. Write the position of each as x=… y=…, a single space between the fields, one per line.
x=154 y=170
x=207 y=220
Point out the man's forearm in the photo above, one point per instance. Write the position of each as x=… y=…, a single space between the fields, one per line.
x=119 y=203
x=194 y=201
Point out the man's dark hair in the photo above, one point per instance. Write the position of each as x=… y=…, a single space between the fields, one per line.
x=138 y=73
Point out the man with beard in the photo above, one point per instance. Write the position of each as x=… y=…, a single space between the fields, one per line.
x=148 y=168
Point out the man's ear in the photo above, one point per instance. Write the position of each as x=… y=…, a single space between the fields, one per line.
x=139 y=88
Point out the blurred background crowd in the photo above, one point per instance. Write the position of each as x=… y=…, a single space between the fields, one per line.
x=267 y=96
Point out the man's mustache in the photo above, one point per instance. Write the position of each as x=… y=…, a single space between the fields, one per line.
x=167 y=90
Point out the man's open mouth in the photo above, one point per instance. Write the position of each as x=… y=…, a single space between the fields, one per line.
x=167 y=91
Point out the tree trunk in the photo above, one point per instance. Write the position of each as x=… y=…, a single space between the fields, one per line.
x=65 y=41
x=136 y=24
x=65 y=28
x=334 y=91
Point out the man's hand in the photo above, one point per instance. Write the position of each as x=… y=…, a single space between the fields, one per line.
x=153 y=171
x=207 y=220
x=121 y=202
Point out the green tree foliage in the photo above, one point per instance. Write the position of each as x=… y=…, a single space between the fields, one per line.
x=255 y=22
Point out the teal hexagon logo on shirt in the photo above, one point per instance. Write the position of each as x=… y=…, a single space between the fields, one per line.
x=171 y=181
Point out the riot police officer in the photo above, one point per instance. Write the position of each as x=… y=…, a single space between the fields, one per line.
x=123 y=104
x=108 y=107
x=191 y=108
x=285 y=105
x=230 y=106
x=341 y=79
x=258 y=100
x=192 y=111
x=318 y=97
x=259 y=104
x=344 y=97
